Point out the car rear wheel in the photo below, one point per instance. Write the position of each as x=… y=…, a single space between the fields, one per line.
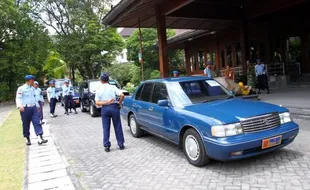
x=194 y=149
x=82 y=107
x=135 y=129
x=93 y=110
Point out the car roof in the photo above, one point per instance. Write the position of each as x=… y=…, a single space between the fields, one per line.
x=179 y=79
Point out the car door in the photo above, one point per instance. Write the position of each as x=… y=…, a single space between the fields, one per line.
x=142 y=106
x=161 y=118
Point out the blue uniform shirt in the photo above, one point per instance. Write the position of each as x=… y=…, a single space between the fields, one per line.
x=26 y=96
x=39 y=94
x=51 y=93
x=208 y=72
x=260 y=69
x=67 y=90
x=107 y=92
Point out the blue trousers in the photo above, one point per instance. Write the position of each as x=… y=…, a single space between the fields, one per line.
x=31 y=114
x=41 y=110
x=69 y=103
x=52 y=105
x=109 y=112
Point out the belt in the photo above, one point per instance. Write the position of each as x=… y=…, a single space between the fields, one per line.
x=29 y=105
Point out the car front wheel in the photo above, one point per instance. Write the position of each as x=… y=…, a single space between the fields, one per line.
x=93 y=110
x=83 y=109
x=135 y=129
x=194 y=149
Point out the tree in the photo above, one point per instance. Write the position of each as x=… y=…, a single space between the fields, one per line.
x=150 y=51
x=24 y=47
x=81 y=37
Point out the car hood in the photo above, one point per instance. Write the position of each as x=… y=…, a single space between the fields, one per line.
x=233 y=110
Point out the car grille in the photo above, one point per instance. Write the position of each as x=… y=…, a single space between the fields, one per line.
x=261 y=123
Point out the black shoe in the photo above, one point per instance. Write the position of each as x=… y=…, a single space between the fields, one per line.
x=76 y=112
x=70 y=111
x=42 y=123
x=42 y=141
x=122 y=147
x=66 y=113
x=107 y=149
x=28 y=143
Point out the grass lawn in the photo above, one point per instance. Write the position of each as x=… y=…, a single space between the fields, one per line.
x=12 y=153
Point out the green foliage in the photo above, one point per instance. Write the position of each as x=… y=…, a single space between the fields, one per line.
x=81 y=37
x=124 y=73
x=24 y=46
x=150 y=50
x=155 y=74
x=54 y=66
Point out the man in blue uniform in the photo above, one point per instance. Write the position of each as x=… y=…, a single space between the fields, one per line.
x=262 y=79
x=52 y=97
x=176 y=74
x=207 y=70
x=38 y=93
x=28 y=105
x=105 y=97
x=67 y=91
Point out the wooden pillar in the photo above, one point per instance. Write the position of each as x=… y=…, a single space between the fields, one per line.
x=187 y=60
x=244 y=45
x=162 y=44
x=218 y=54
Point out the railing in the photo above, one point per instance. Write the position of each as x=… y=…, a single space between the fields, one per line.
x=237 y=70
x=276 y=69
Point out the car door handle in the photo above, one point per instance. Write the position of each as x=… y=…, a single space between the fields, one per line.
x=151 y=108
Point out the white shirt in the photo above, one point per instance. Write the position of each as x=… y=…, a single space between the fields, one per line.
x=106 y=92
x=26 y=96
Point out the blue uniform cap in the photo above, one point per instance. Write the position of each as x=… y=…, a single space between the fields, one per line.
x=52 y=82
x=104 y=76
x=208 y=63
x=67 y=81
x=176 y=72
x=29 y=77
x=36 y=82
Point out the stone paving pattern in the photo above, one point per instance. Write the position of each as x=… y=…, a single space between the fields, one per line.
x=46 y=167
x=152 y=163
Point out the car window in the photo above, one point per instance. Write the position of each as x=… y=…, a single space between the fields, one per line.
x=146 y=92
x=159 y=92
x=138 y=94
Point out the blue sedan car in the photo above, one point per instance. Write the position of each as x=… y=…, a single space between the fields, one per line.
x=204 y=118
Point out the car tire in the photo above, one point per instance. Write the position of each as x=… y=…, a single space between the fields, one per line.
x=93 y=110
x=135 y=129
x=194 y=149
x=83 y=109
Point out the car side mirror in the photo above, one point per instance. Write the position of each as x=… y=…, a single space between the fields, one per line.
x=163 y=103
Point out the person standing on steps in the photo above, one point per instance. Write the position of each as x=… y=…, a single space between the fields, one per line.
x=52 y=97
x=176 y=73
x=262 y=79
x=28 y=104
x=105 y=97
x=38 y=93
x=68 y=92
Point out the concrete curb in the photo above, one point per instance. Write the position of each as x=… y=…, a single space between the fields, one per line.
x=69 y=169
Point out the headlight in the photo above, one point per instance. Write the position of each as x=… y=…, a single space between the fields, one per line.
x=226 y=130
x=285 y=117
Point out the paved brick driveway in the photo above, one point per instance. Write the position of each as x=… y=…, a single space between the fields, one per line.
x=151 y=163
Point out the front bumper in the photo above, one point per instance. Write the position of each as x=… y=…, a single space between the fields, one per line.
x=250 y=144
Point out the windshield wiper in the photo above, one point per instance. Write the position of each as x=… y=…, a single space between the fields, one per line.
x=230 y=97
x=208 y=100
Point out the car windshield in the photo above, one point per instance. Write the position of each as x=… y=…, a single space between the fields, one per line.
x=112 y=82
x=59 y=83
x=93 y=86
x=200 y=91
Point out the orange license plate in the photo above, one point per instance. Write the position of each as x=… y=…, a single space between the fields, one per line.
x=76 y=101
x=271 y=142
